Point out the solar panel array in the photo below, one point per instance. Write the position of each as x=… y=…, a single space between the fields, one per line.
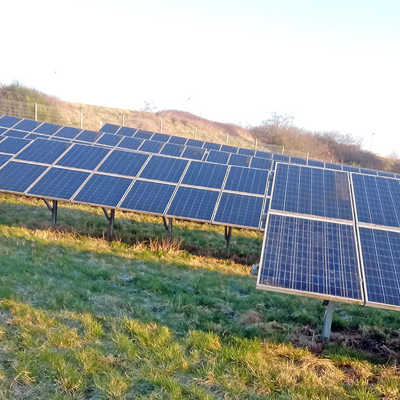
x=76 y=165
x=333 y=235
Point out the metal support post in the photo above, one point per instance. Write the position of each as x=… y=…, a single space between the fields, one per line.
x=228 y=234
x=53 y=209
x=168 y=226
x=326 y=330
x=110 y=218
x=35 y=111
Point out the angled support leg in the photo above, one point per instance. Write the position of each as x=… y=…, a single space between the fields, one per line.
x=168 y=227
x=228 y=234
x=53 y=209
x=326 y=330
x=110 y=218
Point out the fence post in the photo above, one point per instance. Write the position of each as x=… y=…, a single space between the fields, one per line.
x=35 y=111
x=283 y=149
x=161 y=125
x=255 y=144
x=123 y=119
x=227 y=138
x=81 y=118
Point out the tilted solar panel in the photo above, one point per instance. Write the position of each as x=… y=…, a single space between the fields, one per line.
x=109 y=139
x=130 y=143
x=151 y=146
x=14 y=133
x=4 y=158
x=12 y=145
x=27 y=125
x=8 y=121
x=170 y=149
x=123 y=163
x=110 y=128
x=89 y=136
x=47 y=129
x=239 y=160
x=83 y=157
x=68 y=132
x=220 y=157
x=17 y=176
x=162 y=168
x=44 y=151
x=205 y=174
x=247 y=180
x=125 y=131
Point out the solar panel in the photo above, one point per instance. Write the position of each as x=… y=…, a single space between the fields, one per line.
x=368 y=171
x=130 y=143
x=140 y=134
x=240 y=210
x=164 y=169
x=313 y=191
x=123 y=163
x=160 y=137
x=260 y=163
x=109 y=128
x=263 y=154
x=103 y=190
x=204 y=174
x=12 y=145
x=239 y=160
x=33 y=136
x=220 y=157
x=27 y=125
x=194 y=143
x=247 y=180
x=280 y=157
x=151 y=146
x=151 y=197
x=109 y=139
x=2 y=130
x=384 y=173
x=17 y=177
x=229 y=149
x=333 y=166
x=377 y=199
x=3 y=159
x=211 y=146
x=177 y=140
x=381 y=262
x=298 y=160
x=310 y=257
x=316 y=163
x=170 y=149
x=193 y=153
x=246 y=152
x=84 y=157
x=68 y=132
x=126 y=131
x=8 y=121
x=89 y=136
x=14 y=133
x=192 y=203
x=47 y=129
x=44 y=151
x=59 y=183
x=350 y=169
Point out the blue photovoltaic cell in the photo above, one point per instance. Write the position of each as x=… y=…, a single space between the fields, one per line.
x=280 y=157
x=193 y=203
x=170 y=149
x=2 y=130
x=348 y=168
x=130 y=143
x=68 y=132
x=8 y=121
x=333 y=166
x=220 y=157
x=261 y=163
x=240 y=160
x=140 y=134
x=160 y=137
x=109 y=139
x=44 y=151
x=310 y=256
x=59 y=183
x=12 y=145
x=123 y=163
x=109 y=128
x=193 y=153
x=381 y=259
x=17 y=177
x=3 y=159
x=47 y=129
x=205 y=174
x=263 y=154
x=298 y=160
x=377 y=199
x=246 y=152
x=84 y=157
x=237 y=209
x=387 y=174
x=195 y=143
x=151 y=146
x=164 y=169
x=151 y=197
x=103 y=190
x=247 y=180
x=27 y=125
x=14 y=133
x=88 y=136
x=211 y=146
x=316 y=163
x=368 y=171
x=126 y=131
x=313 y=191
x=229 y=149
x=177 y=140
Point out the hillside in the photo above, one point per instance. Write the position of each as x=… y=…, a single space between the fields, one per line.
x=275 y=134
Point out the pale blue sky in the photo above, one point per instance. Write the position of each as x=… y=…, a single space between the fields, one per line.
x=332 y=65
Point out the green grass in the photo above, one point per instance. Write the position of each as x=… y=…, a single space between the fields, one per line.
x=144 y=318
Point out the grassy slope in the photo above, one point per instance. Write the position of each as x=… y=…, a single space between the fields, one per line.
x=144 y=318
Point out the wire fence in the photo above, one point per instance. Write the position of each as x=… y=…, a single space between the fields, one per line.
x=94 y=117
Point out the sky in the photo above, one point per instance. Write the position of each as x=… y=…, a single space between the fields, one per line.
x=331 y=65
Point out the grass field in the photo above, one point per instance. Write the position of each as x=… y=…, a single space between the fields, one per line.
x=144 y=318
